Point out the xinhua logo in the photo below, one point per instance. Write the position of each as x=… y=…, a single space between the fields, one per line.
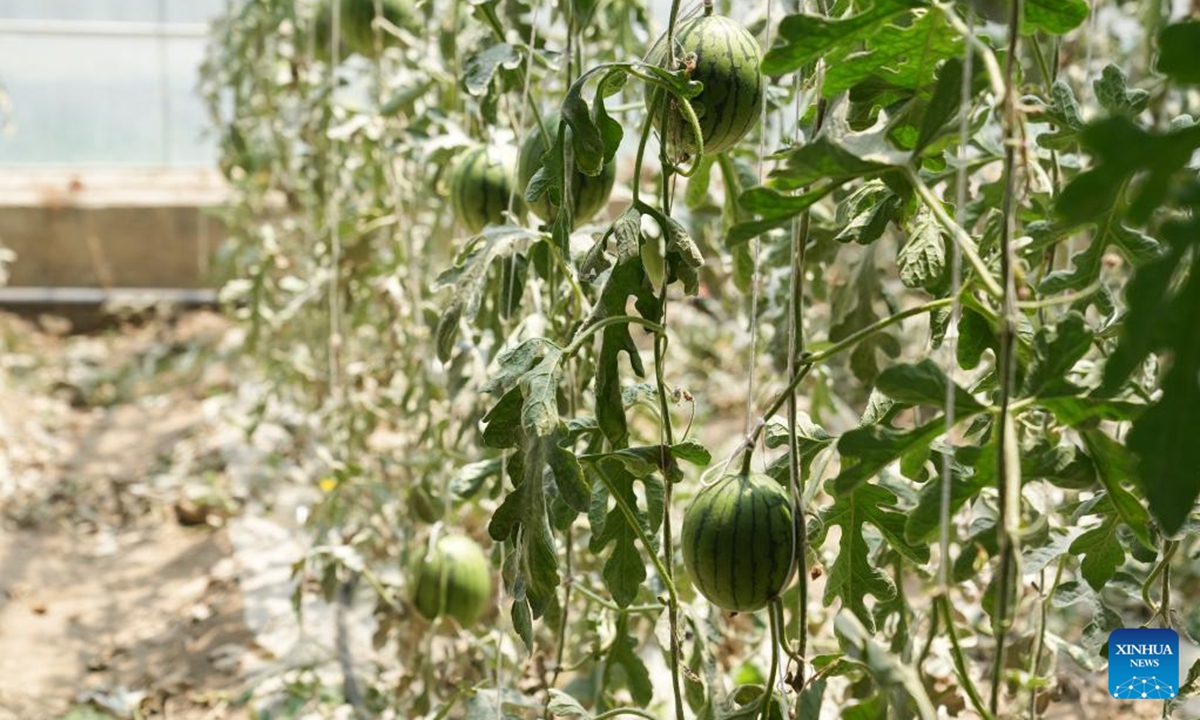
x=1143 y=664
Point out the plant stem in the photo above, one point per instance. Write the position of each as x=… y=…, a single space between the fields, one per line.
x=660 y=347
x=609 y=604
x=960 y=662
x=640 y=157
x=796 y=479
x=769 y=688
x=617 y=712
x=1040 y=646
x=810 y=359
x=1008 y=468
x=566 y=610
x=1162 y=568
x=586 y=332
x=1064 y=299
x=995 y=77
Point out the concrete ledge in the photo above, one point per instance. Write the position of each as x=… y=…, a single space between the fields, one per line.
x=110 y=228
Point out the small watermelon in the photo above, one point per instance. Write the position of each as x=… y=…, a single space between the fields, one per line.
x=589 y=191
x=737 y=541
x=355 y=18
x=725 y=57
x=481 y=187
x=455 y=580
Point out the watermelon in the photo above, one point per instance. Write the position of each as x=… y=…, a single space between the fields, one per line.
x=355 y=18
x=738 y=538
x=454 y=580
x=725 y=57
x=590 y=192
x=481 y=186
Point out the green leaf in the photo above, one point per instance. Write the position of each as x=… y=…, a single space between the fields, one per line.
x=864 y=214
x=890 y=671
x=834 y=157
x=525 y=509
x=1102 y=553
x=975 y=335
x=943 y=107
x=925 y=519
x=810 y=437
x=804 y=38
x=775 y=209
x=539 y=386
x=627 y=279
x=852 y=308
x=502 y=423
x=573 y=488
x=481 y=67
x=469 y=276
x=693 y=452
x=627 y=232
x=513 y=364
x=925 y=384
x=1037 y=556
x=1087 y=411
x=1124 y=149
x=1135 y=246
x=470 y=477
x=1064 y=112
x=1112 y=91
x=1056 y=17
x=625 y=668
x=1117 y=468
x=624 y=570
x=1056 y=349
x=1164 y=315
x=587 y=139
x=922 y=259
x=563 y=705
x=853 y=575
x=867 y=450
x=1063 y=465
x=866 y=45
x=1179 y=52
x=903 y=55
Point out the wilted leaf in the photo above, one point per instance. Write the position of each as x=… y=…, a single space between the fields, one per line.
x=481 y=67
x=922 y=259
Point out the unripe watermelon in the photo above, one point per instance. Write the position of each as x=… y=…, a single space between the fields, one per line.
x=738 y=541
x=355 y=18
x=590 y=191
x=481 y=185
x=455 y=580
x=725 y=57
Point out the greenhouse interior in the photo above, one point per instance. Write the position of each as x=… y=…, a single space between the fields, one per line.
x=599 y=359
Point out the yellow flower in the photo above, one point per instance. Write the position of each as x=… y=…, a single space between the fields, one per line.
x=327 y=484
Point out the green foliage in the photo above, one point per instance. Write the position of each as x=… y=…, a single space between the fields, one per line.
x=562 y=385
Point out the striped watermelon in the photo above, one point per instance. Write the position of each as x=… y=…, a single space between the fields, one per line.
x=481 y=185
x=590 y=192
x=738 y=540
x=355 y=18
x=725 y=57
x=454 y=580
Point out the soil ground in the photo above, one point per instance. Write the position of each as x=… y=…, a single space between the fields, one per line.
x=111 y=595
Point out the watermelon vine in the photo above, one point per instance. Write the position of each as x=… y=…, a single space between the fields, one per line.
x=502 y=254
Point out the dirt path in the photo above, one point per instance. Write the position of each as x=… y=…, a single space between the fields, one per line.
x=115 y=593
